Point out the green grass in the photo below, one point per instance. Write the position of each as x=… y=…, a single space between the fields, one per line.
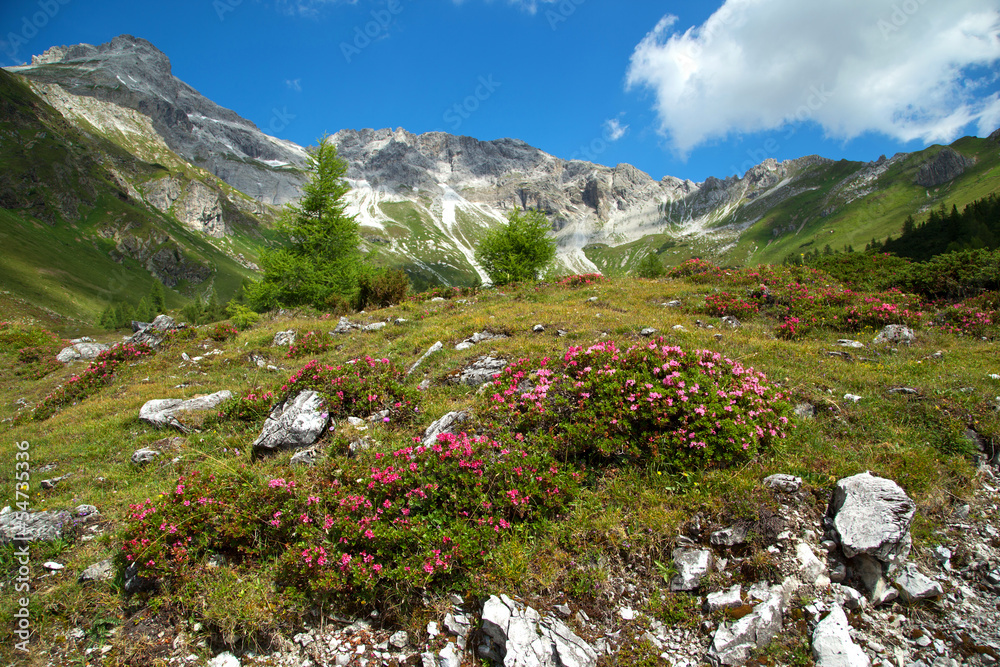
x=623 y=520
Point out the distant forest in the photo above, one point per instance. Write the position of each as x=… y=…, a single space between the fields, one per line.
x=976 y=227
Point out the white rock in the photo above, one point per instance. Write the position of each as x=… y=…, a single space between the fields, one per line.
x=832 y=643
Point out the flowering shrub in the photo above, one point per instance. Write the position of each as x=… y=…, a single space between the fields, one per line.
x=581 y=280
x=652 y=403
x=252 y=408
x=311 y=343
x=222 y=331
x=728 y=304
x=359 y=388
x=98 y=374
x=390 y=525
x=692 y=267
x=963 y=319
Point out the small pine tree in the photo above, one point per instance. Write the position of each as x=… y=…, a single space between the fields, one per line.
x=157 y=299
x=651 y=266
x=519 y=250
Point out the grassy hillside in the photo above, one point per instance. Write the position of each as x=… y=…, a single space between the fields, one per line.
x=625 y=513
x=68 y=207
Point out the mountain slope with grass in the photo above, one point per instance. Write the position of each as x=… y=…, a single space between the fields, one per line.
x=599 y=430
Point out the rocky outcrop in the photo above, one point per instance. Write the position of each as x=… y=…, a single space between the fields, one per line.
x=194 y=127
x=161 y=413
x=80 y=352
x=154 y=333
x=293 y=424
x=832 y=643
x=197 y=206
x=518 y=636
x=446 y=424
x=44 y=526
x=946 y=166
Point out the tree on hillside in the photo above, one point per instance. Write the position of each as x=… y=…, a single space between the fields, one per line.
x=320 y=262
x=519 y=250
x=651 y=266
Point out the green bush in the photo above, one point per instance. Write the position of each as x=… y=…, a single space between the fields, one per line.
x=651 y=404
x=519 y=250
x=100 y=373
x=651 y=267
x=242 y=317
x=309 y=344
x=384 y=289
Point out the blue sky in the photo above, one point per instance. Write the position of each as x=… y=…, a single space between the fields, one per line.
x=691 y=90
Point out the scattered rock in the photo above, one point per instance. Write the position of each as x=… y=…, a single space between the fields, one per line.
x=732 y=644
x=845 y=342
x=673 y=304
x=445 y=424
x=832 y=643
x=305 y=457
x=520 y=637
x=538 y=328
x=224 y=660
x=161 y=413
x=871 y=516
x=53 y=566
x=344 y=326
x=284 y=339
x=103 y=571
x=854 y=398
x=293 y=424
x=154 y=334
x=692 y=566
x=82 y=351
x=436 y=347
x=481 y=371
x=731 y=322
x=374 y=326
x=41 y=526
x=784 y=483
x=648 y=331
x=896 y=333
x=144 y=456
x=726 y=599
x=805 y=410
x=49 y=484
x=729 y=537
x=914 y=586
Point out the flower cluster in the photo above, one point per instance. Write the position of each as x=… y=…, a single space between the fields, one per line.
x=311 y=343
x=35 y=347
x=384 y=524
x=251 y=408
x=649 y=403
x=359 y=388
x=222 y=331
x=100 y=373
x=729 y=304
x=581 y=280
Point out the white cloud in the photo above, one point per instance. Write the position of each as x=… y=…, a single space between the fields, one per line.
x=614 y=130
x=294 y=84
x=910 y=69
x=530 y=6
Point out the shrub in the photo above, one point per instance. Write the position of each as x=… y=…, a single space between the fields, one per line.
x=311 y=343
x=100 y=373
x=519 y=250
x=386 y=288
x=651 y=403
x=651 y=267
x=251 y=408
x=581 y=280
x=361 y=387
x=692 y=267
x=724 y=304
x=222 y=331
x=35 y=348
x=242 y=317
x=379 y=530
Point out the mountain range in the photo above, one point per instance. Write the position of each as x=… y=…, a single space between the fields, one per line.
x=111 y=166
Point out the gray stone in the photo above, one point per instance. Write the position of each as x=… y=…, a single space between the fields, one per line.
x=436 y=347
x=783 y=483
x=154 y=334
x=731 y=322
x=344 y=326
x=673 y=304
x=83 y=351
x=144 y=456
x=224 y=660
x=161 y=413
x=374 y=326
x=805 y=411
x=723 y=599
x=832 y=643
x=42 y=526
x=445 y=424
x=284 y=338
x=692 y=566
x=854 y=344
x=521 y=637
x=305 y=457
x=538 y=328
x=896 y=333
x=811 y=567
x=648 y=331
x=733 y=644
x=464 y=345
x=399 y=640
x=481 y=371
x=449 y=657
x=729 y=537
x=872 y=516
x=103 y=571
x=293 y=424
x=915 y=586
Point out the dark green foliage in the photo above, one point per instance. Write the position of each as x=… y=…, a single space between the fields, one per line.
x=976 y=227
x=386 y=288
x=651 y=267
x=519 y=250
x=321 y=261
